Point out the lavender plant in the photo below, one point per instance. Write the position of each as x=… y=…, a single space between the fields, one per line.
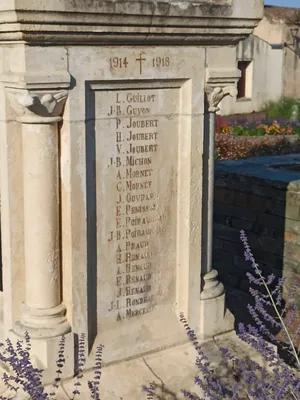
x=28 y=378
x=25 y=375
x=94 y=385
x=81 y=362
x=249 y=380
x=276 y=381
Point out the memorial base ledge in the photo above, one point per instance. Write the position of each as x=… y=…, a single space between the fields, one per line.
x=46 y=327
x=44 y=355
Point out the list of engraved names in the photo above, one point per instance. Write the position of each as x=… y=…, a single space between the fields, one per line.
x=138 y=216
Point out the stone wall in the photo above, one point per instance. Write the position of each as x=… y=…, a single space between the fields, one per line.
x=291 y=64
x=262 y=198
x=274 y=49
x=277 y=28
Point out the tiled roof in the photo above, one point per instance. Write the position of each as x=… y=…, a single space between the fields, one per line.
x=285 y=14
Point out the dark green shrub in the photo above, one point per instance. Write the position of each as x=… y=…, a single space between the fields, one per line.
x=282 y=109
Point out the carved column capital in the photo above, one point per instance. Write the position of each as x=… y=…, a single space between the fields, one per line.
x=216 y=94
x=37 y=108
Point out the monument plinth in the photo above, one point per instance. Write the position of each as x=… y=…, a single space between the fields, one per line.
x=108 y=119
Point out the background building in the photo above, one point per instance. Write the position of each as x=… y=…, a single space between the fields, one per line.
x=269 y=61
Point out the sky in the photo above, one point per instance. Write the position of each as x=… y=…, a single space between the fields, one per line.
x=283 y=3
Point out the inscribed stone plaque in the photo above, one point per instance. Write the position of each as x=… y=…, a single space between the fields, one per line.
x=147 y=219
x=137 y=149
x=137 y=173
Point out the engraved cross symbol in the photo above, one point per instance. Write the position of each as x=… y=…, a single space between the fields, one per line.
x=141 y=63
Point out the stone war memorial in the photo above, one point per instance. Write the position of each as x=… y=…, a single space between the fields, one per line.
x=107 y=161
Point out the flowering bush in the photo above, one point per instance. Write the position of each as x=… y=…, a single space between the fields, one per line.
x=261 y=127
x=229 y=147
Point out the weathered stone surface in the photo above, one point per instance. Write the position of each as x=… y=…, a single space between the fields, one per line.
x=224 y=194
x=293 y=198
x=141 y=178
x=227 y=233
x=242 y=224
x=234 y=211
x=259 y=173
x=273 y=221
x=292 y=252
x=222 y=257
x=291 y=266
x=233 y=247
x=242 y=199
x=292 y=226
x=269 y=192
x=282 y=209
x=125 y=21
x=217 y=243
x=241 y=263
x=290 y=237
x=231 y=181
x=292 y=211
x=114 y=207
x=251 y=201
x=273 y=246
x=261 y=229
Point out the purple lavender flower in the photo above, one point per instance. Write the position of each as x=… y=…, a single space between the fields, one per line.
x=249 y=379
x=24 y=376
x=94 y=385
x=150 y=390
x=81 y=362
x=210 y=385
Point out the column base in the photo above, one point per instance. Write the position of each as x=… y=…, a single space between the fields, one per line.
x=43 y=323
x=44 y=354
x=212 y=287
x=214 y=317
x=46 y=328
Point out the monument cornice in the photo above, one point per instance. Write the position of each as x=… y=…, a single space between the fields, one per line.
x=222 y=77
x=36 y=81
x=130 y=22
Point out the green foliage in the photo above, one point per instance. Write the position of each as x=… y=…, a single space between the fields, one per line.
x=297 y=130
x=238 y=131
x=282 y=109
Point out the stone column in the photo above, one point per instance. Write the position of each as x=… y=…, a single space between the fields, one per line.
x=212 y=297
x=43 y=314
